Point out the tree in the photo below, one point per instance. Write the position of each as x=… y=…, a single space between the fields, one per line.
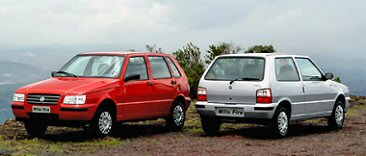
x=153 y=48
x=189 y=58
x=261 y=49
x=222 y=48
x=338 y=79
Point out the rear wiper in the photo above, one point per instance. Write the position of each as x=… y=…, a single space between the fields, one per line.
x=245 y=79
x=66 y=73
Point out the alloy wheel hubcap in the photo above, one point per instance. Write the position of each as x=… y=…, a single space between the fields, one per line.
x=178 y=115
x=282 y=122
x=105 y=122
x=339 y=115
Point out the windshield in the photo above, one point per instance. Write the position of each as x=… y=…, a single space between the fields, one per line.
x=93 y=66
x=237 y=69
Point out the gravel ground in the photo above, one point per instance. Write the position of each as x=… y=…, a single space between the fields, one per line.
x=149 y=138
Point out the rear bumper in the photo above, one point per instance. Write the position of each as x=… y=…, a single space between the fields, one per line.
x=255 y=111
x=62 y=112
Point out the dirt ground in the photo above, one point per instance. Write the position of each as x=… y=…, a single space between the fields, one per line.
x=152 y=138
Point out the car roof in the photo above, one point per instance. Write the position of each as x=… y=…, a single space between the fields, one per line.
x=121 y=53
x=263 y=55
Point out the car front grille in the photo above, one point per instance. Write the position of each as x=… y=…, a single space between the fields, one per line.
x=43 y=99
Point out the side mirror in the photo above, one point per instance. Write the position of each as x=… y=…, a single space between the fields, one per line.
x=328 y=76
x=132 y=77
x=53 y=73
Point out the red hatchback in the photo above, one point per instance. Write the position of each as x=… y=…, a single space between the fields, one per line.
x=100 y=89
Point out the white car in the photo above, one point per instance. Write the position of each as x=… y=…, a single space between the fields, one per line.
x=271 y=89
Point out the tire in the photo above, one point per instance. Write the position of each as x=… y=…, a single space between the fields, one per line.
x=210 y=125
x=35 y=128
x=336 y=120
x=280 y=123
x=177 y=117
x=103 y=123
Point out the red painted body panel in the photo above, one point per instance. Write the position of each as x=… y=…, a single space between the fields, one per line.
x=134 y=100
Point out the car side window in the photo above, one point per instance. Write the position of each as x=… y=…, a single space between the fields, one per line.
x=309 y=72
x=286 y=70
x=176 y=72
x=137 y=66
x=159 y=67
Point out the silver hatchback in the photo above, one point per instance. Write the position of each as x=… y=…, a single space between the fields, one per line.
x=271 y=89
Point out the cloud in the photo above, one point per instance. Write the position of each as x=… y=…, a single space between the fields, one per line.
x=310 y=27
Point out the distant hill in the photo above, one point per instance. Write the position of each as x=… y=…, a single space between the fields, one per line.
x=12 y=76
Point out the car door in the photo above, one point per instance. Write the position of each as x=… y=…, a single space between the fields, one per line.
x=137 y=93
x=289 y=85
x=164 y=86
x=319 y=96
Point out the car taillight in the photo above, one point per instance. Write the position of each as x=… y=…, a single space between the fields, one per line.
x=264 y=96
x=201 y=94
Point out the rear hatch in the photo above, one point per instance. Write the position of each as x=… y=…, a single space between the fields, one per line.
x=234 y=80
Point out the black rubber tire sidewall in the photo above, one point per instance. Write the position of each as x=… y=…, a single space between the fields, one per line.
x=170 y=121
x=274 y=124
x=95 y=123
x=210 y=125
x=35 y=128
x=332 y=121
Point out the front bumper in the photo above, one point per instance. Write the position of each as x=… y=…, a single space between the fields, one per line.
x=254 y=111
x=62 y=111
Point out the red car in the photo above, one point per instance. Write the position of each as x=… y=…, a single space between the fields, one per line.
x=101 y=89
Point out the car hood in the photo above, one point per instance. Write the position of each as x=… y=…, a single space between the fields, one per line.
x=62 y=85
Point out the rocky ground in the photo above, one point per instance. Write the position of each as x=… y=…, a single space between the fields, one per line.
x=152 y=138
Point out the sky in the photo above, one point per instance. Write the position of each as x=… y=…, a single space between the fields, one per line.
x=312 y=27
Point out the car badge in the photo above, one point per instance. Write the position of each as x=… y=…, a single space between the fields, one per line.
x=230 y=87
x=41 y=99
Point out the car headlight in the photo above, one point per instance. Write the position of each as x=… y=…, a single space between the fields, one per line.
x=18 y=97
x=78 y=99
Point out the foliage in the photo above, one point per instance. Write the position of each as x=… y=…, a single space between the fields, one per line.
x=338 y=79
x=222 y=48
x=261 y=49
x=189 y=57
x=153 y=48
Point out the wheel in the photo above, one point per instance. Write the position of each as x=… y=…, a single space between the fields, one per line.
x=35 y=128
x=210 y=125
x=103 y=123
x=177 y=117
x=336 y=120
x=280 y=122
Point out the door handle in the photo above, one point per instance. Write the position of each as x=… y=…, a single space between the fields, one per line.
x=303 y=89
x=150 y=83
x=173 y=82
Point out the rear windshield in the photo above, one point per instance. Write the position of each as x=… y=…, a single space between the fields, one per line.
x=237 y=68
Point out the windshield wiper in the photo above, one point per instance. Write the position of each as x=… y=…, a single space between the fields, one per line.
x=245 y=79
x=66 y=73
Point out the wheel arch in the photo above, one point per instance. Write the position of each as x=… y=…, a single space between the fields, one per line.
x=108 y=104
x=285 y=104
x=181 y=99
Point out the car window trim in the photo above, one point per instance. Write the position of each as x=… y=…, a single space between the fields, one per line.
x=102 y=77
x=147 y=70
x=317 y=68
x=264 y=66
x=296 y=68
x=152 y=72
x=171 y=68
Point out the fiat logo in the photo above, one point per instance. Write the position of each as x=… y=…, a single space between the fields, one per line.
x=41 y=99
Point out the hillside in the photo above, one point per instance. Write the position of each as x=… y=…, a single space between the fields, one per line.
x=12 y=76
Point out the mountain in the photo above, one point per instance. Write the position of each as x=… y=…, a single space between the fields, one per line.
x=12 y=76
